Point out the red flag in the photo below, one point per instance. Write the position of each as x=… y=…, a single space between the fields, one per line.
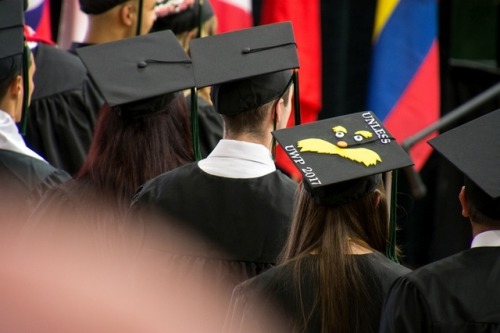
x=232 y=14
x=306 y=22
x=38 y=18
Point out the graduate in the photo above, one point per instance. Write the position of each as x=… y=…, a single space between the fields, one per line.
x=459 y=293
x=236 y=201
x=333 y=272
x=143 y=129
x=24 y=175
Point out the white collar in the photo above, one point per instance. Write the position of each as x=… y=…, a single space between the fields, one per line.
x=10 y=139
x=486 y=238
x=238 y=159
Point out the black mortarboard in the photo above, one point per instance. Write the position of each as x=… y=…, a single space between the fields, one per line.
x=342 y=158
x=246 y=68
x=11 y=38
x=139 y=68
x=95 y=7
x=474 y=148
x=181 y=15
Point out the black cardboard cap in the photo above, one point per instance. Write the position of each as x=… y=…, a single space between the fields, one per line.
x=334 y=174
x=244 y=54
x=138 y=68
x=96 y=7
x=181 y=16
x=11 y=36
x=474 y=148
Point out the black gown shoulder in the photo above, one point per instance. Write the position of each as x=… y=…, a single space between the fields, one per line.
x=63 y=110
x=456 y=294
x=276 y=292
x=24 y=180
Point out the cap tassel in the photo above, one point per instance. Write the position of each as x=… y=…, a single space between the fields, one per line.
x=194 y=124
x=200 y=21
x=139 y=18
x=296 y=97
x=26 y=86
x=391 y=246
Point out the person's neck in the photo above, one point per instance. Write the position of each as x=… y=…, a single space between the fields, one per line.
x=100 y=31
x=479 y=228
x=264 y=139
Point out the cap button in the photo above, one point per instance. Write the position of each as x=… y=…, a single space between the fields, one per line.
x=142 y=64
x=246 y=50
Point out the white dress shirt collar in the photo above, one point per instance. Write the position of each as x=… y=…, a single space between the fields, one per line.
x=487 y=238
x=238 y=159
x=10 y=139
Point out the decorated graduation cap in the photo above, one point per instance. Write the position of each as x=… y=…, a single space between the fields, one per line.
x=474 y=148
x=341 y=158
x=14 y=51
x=182 y=15
x=247 y=68
x=96 y=7
x=138 y=75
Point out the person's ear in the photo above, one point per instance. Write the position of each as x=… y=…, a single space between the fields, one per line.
x=127 y=14
x=278 y=110
x=16 y=86
x=462 y=196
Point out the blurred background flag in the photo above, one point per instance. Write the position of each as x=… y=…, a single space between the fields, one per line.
x=404 y=82
x=38 y=18
x=232 y=14
x=306 y=22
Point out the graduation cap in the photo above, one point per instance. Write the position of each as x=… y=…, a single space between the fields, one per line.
x=474 y=148
x=139 y=68
x=247 y=68
x=96 y=7
x=182 y=15
x=14 y=51
x=340 y=158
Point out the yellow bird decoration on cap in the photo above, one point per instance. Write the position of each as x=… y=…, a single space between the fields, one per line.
x=365 y=156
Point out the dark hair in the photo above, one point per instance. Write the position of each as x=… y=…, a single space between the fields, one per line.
x=251 y=121
x=475 y=213
x=126 y=152
x=14 y=67
x=327 y=231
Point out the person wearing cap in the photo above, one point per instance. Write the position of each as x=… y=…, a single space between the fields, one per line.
x=24 y=175
x=183 y=18
x=235 y=200
x=459 y=293
x=112 y=20
x=333 y=271
x=143 y=129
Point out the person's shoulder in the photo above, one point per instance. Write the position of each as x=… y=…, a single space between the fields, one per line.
x=156 y=186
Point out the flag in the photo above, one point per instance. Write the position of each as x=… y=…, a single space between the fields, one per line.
x=37 y=17
x=404 y=86
x=232 y=14
x=306 y=21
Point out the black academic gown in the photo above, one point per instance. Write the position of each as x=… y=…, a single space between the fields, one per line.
x=273 y=299
x=63 y=110
x=457 y=294
x=23 y=180
x=242 y=224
